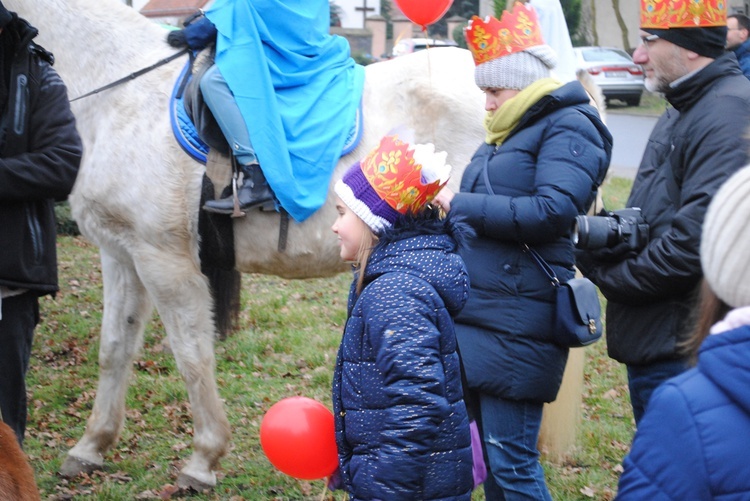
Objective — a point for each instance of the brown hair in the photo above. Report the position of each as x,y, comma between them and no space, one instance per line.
710,310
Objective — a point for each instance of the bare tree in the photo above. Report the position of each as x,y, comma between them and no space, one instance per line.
621,23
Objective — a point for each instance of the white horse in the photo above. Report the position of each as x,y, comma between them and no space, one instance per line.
137,197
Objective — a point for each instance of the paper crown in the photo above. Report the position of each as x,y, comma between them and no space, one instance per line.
405,177
516,31
666,14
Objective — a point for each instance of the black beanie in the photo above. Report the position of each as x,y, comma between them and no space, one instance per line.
5,16
708,42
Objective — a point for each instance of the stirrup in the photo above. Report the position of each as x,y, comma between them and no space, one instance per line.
236,212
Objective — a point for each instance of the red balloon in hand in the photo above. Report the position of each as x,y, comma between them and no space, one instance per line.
424,12
297,436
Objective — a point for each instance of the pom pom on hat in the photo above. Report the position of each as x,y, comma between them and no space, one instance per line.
393,179
725,243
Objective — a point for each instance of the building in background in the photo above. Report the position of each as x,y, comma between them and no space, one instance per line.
170,12
362,24
354,13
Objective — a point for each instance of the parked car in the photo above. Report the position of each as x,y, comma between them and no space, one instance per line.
614,71
409,45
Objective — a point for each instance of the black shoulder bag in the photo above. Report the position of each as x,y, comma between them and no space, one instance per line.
578,312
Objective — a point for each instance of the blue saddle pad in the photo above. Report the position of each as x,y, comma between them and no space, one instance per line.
187,135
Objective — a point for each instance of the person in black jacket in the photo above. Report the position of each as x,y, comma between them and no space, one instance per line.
694,147
40,151
544,156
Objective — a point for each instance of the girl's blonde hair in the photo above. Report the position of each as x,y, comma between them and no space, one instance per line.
368,242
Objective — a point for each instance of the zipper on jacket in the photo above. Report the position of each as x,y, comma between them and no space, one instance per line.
19,113
35,230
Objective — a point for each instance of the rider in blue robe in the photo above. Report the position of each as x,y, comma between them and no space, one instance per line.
281,79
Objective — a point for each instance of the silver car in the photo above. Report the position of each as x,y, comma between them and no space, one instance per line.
614,71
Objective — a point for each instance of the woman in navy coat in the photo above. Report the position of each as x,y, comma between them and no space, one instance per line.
544,156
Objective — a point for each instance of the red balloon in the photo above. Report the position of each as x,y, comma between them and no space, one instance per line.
424,12
297,435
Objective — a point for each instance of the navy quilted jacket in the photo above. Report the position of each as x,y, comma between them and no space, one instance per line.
401,425
692,442
544,175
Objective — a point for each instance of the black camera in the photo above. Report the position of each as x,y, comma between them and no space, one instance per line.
616,227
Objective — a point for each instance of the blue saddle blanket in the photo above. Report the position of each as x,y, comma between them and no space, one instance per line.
187,135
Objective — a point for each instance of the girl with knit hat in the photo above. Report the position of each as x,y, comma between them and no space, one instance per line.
692,441
402,428
545,154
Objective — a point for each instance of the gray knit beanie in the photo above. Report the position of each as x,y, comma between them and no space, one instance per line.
517,70
725,243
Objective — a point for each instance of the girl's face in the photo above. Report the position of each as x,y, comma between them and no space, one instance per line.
494,98
350,230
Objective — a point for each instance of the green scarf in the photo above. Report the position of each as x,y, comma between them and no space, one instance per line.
500,123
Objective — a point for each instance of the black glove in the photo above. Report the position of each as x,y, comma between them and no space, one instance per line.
584,262
619,252
177,39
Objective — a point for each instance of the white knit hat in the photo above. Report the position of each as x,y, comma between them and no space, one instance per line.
394,178
725,243
517,70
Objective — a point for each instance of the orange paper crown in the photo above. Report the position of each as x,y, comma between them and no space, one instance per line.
666,14
396,178
516,31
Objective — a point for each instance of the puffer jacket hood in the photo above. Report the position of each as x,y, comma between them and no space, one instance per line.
724,360
692,441
415,244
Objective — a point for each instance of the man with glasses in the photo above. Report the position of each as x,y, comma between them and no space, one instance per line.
738,30
696,144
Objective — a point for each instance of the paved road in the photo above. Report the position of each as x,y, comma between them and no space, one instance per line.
630,133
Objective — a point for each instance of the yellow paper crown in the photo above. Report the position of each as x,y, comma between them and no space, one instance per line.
516,31
397,179
666,14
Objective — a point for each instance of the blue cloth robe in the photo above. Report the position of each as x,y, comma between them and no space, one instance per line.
297,88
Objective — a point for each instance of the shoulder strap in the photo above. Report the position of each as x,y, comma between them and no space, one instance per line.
546,268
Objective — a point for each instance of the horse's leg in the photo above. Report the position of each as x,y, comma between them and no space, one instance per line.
127,308
182,297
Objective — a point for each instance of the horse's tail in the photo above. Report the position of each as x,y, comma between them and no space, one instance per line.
225,288
217,264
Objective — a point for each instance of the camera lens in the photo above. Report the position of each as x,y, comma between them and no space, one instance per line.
595,232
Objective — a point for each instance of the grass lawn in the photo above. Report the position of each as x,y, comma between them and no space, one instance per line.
286,345
651,105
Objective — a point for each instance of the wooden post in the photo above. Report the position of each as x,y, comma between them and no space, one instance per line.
561,418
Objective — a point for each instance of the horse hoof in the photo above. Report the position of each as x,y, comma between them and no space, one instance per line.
187,482
73,466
